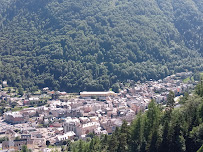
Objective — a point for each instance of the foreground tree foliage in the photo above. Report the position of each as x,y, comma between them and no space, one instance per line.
156,130
94,44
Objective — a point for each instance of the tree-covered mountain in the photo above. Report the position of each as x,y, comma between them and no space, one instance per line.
93,44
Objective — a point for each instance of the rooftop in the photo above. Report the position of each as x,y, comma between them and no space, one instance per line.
96,93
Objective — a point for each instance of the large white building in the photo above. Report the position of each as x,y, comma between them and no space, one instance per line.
100,95
75,125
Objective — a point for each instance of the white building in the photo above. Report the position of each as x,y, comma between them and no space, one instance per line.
100,95
71,124
69,135
86,128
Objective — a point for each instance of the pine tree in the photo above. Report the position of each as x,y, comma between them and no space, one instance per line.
123,138
91,146
80,147
170,101
177,141
199,88
104,142
152,124
113,143
165,140
137,133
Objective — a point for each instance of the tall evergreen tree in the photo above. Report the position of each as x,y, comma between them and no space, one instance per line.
113,143
80,146
170,100
137,133
123,138
152,123
199,88
104,142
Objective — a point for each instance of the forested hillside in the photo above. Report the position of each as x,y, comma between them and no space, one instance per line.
159,129
92,44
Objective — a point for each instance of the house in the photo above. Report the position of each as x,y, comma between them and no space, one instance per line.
58,112
56,125
29,112
39,142
71,124
17,144
46,89
25,136
33,100
10,134
42,109
62,93
4,84
107,125
26,102
36,134
99,131
87,128
77,112
84,120
69,135
58,131
15,117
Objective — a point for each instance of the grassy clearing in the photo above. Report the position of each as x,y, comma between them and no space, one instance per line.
188,79
19,108
7,88
38,92
201,74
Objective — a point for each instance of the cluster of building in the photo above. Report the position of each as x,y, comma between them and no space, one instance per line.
142,93
64,118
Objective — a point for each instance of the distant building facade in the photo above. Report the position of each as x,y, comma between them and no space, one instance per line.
99,95
15,117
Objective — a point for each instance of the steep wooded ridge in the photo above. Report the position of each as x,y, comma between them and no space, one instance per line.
92,44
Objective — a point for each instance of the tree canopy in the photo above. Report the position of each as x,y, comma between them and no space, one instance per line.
93,44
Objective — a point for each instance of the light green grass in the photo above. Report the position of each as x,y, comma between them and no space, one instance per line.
188,79
19,108
201,74
38,92
6,88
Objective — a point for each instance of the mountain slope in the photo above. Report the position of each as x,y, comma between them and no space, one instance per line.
92,44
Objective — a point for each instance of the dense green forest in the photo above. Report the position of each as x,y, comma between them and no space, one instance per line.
94,44
159,129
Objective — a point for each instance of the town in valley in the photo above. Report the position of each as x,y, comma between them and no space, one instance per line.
49,117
